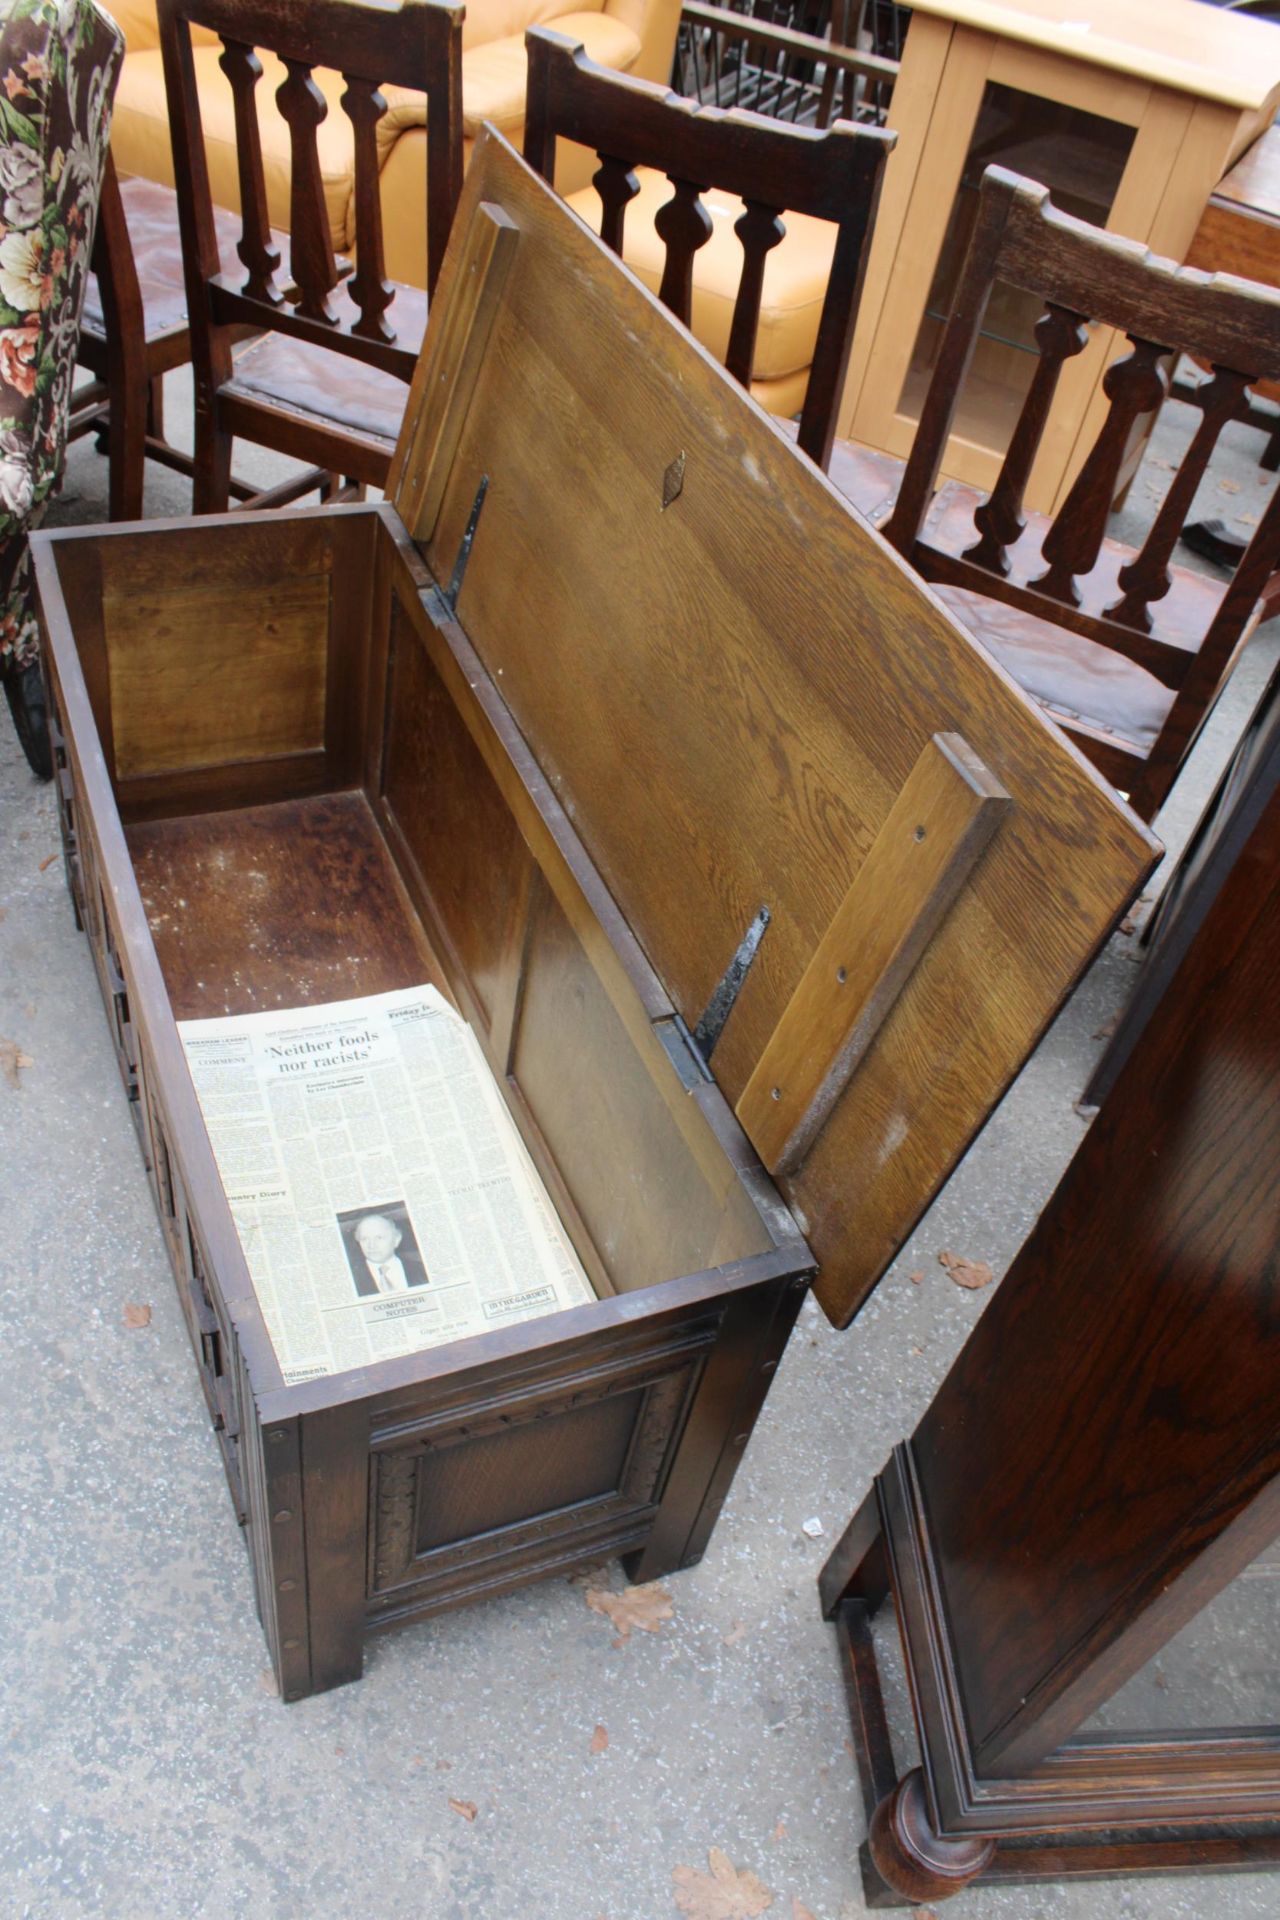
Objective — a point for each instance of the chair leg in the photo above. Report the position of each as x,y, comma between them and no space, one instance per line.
126,450
211,484
155,406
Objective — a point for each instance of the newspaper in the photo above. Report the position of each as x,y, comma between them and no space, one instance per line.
383,1196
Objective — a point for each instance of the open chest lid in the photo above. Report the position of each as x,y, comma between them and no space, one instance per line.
744,699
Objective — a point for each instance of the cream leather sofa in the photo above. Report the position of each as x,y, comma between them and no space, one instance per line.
636,36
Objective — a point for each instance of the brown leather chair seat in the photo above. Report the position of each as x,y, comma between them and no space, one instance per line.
1075,679
328,387
152,215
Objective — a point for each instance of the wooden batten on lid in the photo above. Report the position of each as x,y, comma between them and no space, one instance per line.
865,867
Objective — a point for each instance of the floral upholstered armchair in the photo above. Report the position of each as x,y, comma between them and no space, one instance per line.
59,62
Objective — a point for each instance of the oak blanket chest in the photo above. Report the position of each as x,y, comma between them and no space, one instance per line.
754,878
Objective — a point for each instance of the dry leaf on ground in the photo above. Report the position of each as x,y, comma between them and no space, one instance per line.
467,1808
1108,1027
738,1631
1228,486
966,1273
136,1314
724,1893
12,1060
47,862
799,1912
643,1607
599,1740
916,1277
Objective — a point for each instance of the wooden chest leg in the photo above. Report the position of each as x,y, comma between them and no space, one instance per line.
335,1503
737,1378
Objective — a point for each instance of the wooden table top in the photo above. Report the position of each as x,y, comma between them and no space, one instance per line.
1183,44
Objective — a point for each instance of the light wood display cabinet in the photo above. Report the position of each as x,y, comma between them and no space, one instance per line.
1130,111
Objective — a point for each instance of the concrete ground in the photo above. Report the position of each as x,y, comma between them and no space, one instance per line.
512,1758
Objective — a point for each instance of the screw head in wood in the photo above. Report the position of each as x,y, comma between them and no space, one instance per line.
285,1513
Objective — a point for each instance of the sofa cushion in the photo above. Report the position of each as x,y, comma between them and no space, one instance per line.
795,277
489,20
495,76
493,88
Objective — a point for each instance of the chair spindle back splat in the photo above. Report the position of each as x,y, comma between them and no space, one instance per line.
773,168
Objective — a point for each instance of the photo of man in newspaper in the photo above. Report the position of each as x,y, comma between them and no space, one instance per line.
381,1249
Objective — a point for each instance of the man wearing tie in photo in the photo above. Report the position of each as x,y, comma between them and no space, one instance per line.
385,1263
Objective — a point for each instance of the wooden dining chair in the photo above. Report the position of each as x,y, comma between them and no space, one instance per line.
134,331
1123,649
325,377
693,199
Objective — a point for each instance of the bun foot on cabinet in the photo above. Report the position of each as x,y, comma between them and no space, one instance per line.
912,1857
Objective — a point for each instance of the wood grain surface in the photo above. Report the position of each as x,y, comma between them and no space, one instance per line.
727,695
1128,1464
938,828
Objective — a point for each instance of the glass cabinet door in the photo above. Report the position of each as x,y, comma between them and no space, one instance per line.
1080,157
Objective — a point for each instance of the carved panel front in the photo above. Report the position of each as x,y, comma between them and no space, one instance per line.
568,1461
